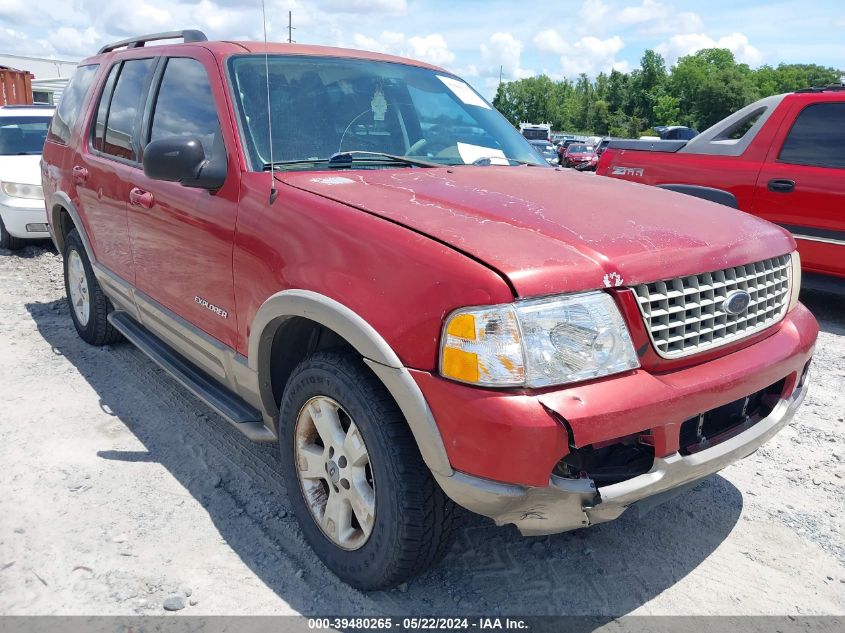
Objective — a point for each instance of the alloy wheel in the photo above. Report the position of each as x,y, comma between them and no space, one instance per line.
333,467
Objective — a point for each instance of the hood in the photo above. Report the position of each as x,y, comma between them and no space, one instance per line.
549,231
23,169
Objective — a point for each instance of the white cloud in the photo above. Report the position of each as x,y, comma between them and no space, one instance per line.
381,7
432,48
679,45
74,42
589,54
503,51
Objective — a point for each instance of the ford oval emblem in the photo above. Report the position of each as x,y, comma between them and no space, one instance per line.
736,302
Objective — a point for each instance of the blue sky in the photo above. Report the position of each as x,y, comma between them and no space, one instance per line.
473,38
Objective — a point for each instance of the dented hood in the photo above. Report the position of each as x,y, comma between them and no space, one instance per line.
551,231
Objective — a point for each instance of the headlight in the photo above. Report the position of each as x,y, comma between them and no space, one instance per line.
537,343
18,190
795,280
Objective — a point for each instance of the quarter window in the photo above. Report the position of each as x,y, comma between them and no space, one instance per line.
817,137
71,104
124,108
185,106
103,108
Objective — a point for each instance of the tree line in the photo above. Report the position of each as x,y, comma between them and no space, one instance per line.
699,90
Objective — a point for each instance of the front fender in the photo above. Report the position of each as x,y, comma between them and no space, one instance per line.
375,351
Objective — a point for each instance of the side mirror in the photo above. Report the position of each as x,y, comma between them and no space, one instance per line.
182,159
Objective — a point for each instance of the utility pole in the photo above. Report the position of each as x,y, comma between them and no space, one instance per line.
501,69
291,28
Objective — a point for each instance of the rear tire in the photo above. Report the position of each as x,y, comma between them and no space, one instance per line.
413,524
9,242
89,306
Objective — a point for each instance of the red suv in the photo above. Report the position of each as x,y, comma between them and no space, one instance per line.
355,256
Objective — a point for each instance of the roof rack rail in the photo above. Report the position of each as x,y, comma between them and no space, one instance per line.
187,36
831,87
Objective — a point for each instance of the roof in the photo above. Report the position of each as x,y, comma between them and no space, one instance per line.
26,110
227,48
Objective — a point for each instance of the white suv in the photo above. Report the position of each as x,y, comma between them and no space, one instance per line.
22,213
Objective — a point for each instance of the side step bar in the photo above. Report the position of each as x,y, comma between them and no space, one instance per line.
243,416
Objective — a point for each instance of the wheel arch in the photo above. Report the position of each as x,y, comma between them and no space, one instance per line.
61,211
280,308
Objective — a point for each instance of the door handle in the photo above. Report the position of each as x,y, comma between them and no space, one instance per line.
781,185
80,174
141,198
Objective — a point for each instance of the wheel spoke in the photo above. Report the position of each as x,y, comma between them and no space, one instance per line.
353,447
327,422
311,463
363,501
337,518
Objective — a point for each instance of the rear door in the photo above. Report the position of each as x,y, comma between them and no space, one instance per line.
102,165
182,238
802,184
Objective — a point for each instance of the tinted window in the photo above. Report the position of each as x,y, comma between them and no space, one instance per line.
71,103
185,107
817,137
126,103
103,108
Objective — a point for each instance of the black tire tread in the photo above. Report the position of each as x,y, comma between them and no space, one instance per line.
10,242
99,330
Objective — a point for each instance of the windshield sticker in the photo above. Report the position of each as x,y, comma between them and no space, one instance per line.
471,153
463,92
332,180
378,105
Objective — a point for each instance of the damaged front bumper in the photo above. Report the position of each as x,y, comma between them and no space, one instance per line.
568,504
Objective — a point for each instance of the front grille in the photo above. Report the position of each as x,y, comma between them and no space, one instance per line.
686,315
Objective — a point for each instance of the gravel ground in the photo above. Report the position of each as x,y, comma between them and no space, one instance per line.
120,493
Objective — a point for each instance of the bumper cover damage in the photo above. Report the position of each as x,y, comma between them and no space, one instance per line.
567,504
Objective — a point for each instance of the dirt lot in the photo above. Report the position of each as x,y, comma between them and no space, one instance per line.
118,489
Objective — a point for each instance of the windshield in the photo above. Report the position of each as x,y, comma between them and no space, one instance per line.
22,134
578,149
324,105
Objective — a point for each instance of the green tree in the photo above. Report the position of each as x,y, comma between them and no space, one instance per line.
667,111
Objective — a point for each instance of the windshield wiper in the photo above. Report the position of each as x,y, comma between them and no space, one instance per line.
286,163
345,158
490,160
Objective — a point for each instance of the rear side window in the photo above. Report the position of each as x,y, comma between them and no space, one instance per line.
817,137
185,106
103,109
71,103
124,108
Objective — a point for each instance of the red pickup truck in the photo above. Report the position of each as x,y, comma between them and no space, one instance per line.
781,158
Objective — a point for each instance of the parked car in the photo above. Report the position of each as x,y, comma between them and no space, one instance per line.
576,154
602,145
22,214
546,150
415,323
675,132
781,158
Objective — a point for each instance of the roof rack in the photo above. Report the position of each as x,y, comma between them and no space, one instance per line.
187,36
831,87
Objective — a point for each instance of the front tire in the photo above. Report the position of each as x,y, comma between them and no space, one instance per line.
365,500
8,241
89,306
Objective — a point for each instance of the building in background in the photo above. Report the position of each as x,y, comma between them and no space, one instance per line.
48,77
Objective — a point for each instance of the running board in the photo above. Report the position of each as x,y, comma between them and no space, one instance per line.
244,417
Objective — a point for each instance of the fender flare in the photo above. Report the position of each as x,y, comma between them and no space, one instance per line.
375,351
719,196
61,200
